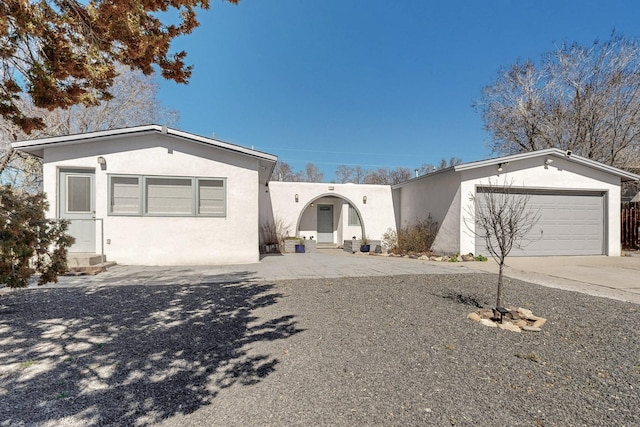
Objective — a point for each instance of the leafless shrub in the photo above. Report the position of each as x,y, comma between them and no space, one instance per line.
416,237
273,232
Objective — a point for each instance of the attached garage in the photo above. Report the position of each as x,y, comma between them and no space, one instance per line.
577,199
569,223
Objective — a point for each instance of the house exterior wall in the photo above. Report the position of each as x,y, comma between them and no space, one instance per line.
151,240
437,195
377,213
562,174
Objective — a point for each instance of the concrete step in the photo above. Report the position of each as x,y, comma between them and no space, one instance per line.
82,259
327,245
86,263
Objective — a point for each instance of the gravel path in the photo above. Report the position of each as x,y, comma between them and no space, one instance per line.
343,352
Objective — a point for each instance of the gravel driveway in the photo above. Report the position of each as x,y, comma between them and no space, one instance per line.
341,352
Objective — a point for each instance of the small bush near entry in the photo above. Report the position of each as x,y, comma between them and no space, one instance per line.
417,237
390,240
28,241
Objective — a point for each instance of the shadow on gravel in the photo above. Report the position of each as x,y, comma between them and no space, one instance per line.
131,355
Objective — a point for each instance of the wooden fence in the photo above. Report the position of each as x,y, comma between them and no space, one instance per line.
630,226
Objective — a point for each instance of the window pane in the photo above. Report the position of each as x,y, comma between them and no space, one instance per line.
169,196
211,197
354,219
125,195
78,194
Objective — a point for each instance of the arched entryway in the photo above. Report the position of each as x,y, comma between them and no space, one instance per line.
330,219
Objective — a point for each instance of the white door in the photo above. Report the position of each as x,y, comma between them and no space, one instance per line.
325,223
77,204
571,223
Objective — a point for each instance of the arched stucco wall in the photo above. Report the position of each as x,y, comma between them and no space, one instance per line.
376,214
309,213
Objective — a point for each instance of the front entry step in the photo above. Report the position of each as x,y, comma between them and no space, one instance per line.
87,263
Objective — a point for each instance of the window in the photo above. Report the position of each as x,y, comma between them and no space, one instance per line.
125,195
78,193
167,196
354,219
211,197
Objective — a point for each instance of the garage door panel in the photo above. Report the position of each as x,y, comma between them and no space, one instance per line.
570,223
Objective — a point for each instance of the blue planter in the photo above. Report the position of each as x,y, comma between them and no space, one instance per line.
299,249
365,248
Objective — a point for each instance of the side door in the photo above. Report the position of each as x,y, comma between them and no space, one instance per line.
76,202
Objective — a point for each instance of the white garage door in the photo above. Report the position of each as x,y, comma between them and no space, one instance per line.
571,223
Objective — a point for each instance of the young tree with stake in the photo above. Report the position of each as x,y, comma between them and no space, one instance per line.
503,220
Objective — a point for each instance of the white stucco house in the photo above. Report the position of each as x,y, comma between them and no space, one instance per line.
150,195
155,196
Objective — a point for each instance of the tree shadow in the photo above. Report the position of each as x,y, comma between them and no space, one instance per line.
131,355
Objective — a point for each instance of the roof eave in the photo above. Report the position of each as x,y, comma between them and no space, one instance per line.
624,175
37,146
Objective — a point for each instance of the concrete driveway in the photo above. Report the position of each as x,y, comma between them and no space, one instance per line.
611,277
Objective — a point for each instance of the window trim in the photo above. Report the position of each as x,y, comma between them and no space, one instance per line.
142,194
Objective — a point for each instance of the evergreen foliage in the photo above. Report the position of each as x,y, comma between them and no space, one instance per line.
29,242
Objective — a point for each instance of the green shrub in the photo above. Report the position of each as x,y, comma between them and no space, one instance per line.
28,241
480,258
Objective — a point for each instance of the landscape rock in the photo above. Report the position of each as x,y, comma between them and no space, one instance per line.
509,327
487,322
524,313
514,320
539,323
521,323
474,316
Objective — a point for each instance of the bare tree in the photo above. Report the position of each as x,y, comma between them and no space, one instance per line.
135,102
344,174
283,172
503,219
384,176
312,173
426,168
580,98
354,174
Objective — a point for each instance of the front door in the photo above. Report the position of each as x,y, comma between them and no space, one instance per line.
325,223
77,204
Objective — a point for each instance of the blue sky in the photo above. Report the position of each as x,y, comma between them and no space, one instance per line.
375,83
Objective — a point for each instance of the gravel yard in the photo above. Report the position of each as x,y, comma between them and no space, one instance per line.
341,352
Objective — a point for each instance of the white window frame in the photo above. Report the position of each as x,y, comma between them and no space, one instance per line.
142,188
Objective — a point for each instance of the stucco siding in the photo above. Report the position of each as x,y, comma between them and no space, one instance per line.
438,195
150,240
299,218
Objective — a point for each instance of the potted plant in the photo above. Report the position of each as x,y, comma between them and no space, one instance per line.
300,246
364,244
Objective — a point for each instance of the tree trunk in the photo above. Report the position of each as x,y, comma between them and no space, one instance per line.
499,293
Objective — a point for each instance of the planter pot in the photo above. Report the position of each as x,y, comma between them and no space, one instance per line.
365,248
299,249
